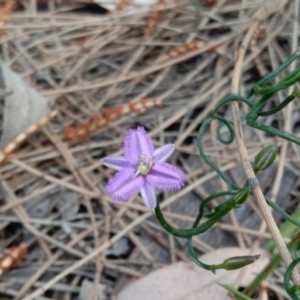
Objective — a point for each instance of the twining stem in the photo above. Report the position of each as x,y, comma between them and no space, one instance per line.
252,180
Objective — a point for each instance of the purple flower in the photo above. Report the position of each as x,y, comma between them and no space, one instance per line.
142,169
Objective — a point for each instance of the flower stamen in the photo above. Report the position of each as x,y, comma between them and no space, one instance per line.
145,164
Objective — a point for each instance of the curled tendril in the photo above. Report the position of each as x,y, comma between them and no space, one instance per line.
236,195
229,99
229,126
202,129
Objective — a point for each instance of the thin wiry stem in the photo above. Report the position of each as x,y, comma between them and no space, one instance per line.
257,192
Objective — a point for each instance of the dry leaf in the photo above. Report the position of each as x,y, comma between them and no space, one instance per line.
119,248
23,106
187,281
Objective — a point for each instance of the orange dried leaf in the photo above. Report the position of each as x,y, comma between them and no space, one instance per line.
12,258
122,4
5,12
80,132
186,48
153,20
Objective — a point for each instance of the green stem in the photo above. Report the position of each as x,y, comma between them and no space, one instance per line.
228,99
277,132
292,291
277,108
283,213
206,201
284,84
273,74
194,257
192,253
205,157
189,232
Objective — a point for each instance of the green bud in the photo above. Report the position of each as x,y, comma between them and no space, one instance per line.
265,157
241,196
265,90
257,89
296,93
235,262
217,208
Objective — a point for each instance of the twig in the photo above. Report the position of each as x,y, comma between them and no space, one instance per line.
252,180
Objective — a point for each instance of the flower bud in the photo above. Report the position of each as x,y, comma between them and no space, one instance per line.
235,262
241,196
296,93
265,157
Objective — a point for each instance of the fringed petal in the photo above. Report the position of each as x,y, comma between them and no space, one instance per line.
149,196
165,177
136,143
116,162
163,153
124,185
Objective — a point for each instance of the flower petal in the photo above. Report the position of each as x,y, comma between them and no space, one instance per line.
149,196
124,185
115,162
136,143
163,153
165,177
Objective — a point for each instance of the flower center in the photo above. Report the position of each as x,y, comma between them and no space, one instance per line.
145,164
